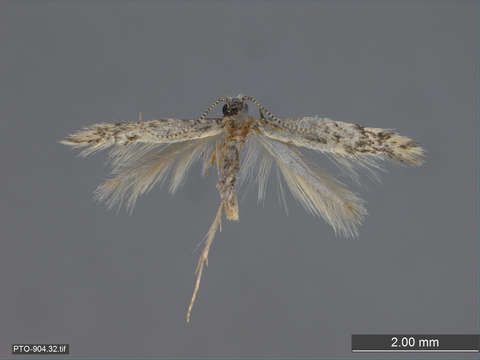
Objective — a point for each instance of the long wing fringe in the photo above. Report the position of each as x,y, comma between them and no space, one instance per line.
137,168
319,193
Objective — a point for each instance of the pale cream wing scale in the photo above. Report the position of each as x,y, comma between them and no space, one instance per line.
144,153
163,131
345,142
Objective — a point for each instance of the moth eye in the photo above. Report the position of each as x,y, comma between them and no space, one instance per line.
225,108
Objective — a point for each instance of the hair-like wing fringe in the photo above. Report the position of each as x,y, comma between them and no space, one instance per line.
255,167
319,193
137,168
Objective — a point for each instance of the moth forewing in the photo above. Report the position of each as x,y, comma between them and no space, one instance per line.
347,142
164,131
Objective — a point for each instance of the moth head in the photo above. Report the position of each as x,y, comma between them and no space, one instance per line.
234,106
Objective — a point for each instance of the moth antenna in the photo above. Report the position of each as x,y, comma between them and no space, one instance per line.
261,108
211,107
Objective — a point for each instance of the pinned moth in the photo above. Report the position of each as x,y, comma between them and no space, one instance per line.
239,145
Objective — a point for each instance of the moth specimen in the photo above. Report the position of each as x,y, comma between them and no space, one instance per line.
241,145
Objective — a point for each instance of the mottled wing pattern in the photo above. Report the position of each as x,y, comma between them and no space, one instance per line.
342,140
145,153
164,131
350,145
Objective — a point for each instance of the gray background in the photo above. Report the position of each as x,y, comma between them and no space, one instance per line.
113,284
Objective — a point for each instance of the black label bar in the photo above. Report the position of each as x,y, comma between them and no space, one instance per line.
415,343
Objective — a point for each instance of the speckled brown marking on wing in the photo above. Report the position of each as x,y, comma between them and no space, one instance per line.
342,139
100,136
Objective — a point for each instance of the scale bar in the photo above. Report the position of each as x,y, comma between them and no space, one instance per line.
408,343
449,351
